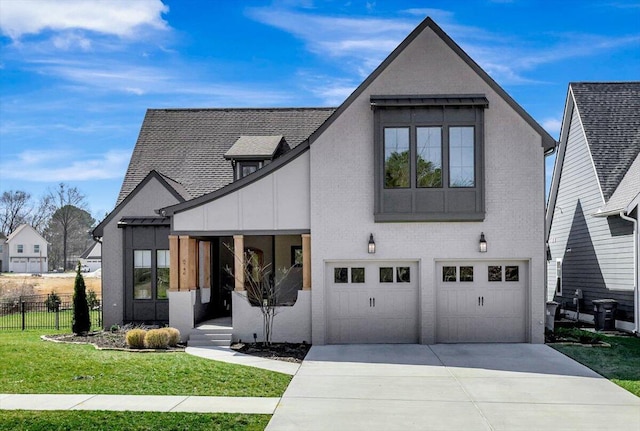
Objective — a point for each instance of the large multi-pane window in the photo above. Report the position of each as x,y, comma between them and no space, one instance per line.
162,273
142,274
429,161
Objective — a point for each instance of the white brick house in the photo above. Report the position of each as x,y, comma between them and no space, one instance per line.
417,209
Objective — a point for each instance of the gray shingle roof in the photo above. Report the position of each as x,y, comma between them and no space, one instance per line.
188,145
610,116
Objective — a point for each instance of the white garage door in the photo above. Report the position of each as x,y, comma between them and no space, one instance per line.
18,265
481,302
372,302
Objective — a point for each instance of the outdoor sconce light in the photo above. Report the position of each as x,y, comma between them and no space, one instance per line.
483,243
372,244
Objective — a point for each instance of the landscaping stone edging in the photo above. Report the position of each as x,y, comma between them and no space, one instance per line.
119,349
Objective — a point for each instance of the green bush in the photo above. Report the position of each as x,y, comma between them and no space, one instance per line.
92,299
174,336
52,302
156,339
135,338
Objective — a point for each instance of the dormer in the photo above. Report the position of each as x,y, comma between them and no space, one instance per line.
250,153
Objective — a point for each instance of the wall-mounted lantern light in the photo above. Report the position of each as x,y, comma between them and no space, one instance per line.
372,244
483,243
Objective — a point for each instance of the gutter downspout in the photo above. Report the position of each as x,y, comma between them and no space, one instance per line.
636,294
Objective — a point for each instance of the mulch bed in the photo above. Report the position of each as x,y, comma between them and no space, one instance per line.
107,340
288,352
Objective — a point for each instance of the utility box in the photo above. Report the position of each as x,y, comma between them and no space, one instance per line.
604,314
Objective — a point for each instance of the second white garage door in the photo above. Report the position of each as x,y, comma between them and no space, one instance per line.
481,302
372,302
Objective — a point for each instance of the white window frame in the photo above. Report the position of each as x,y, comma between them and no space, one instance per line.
19,248
36,248
558,288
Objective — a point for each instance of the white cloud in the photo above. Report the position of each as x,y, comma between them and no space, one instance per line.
362,43
552,125
56,165
122,18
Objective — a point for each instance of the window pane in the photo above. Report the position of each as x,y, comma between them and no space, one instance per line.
340,275
36,248
248,169
403,274
142,274
357,275
449,273
386,275
511,273
461,157
429,157
495,273
162,273
396,158
466,273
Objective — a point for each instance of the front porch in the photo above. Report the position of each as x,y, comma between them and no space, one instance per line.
215,277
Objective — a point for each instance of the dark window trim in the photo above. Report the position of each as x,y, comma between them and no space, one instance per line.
418,195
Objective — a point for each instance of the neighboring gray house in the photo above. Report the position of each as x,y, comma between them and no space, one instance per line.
592,214
413,213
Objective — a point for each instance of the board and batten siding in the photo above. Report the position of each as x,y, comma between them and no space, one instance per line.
597,252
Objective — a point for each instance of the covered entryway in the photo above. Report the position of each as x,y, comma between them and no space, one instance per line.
372,302
481,301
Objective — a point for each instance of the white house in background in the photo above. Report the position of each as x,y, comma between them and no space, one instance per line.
4,253
92,256
412,213
27,251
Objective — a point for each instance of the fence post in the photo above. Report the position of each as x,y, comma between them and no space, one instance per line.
57,315
22,311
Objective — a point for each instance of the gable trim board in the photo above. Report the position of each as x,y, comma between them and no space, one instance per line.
99,230
334,163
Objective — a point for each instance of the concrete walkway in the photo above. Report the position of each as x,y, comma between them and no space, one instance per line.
225,354
450,387
139,403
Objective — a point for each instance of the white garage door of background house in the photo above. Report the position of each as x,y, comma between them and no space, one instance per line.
372,302
481,302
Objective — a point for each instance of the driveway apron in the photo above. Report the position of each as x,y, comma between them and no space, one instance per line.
450,387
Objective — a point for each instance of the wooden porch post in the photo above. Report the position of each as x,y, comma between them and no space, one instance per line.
188,263
306,261
174,263
206,261
238,266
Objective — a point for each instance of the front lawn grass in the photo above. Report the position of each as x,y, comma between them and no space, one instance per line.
101,420
619,363
30,365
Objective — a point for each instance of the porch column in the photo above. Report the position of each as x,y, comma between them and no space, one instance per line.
174,263
306,261
238,266
188,263
206,262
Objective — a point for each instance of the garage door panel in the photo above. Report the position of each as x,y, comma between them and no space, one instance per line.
373,310
488,306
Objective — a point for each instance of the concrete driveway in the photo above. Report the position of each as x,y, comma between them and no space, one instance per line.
450,387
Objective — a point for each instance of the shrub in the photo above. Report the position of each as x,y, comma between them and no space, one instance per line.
81,318
156,339
92,299
174,336
53,301
135,338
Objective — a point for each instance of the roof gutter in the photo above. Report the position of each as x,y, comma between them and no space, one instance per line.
636,294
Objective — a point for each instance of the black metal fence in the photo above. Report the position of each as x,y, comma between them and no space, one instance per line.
53,311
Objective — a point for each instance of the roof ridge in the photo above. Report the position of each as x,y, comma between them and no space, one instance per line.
299,108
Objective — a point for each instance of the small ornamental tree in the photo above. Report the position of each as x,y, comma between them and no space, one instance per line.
81,319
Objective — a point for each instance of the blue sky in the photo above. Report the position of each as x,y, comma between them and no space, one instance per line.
76,76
